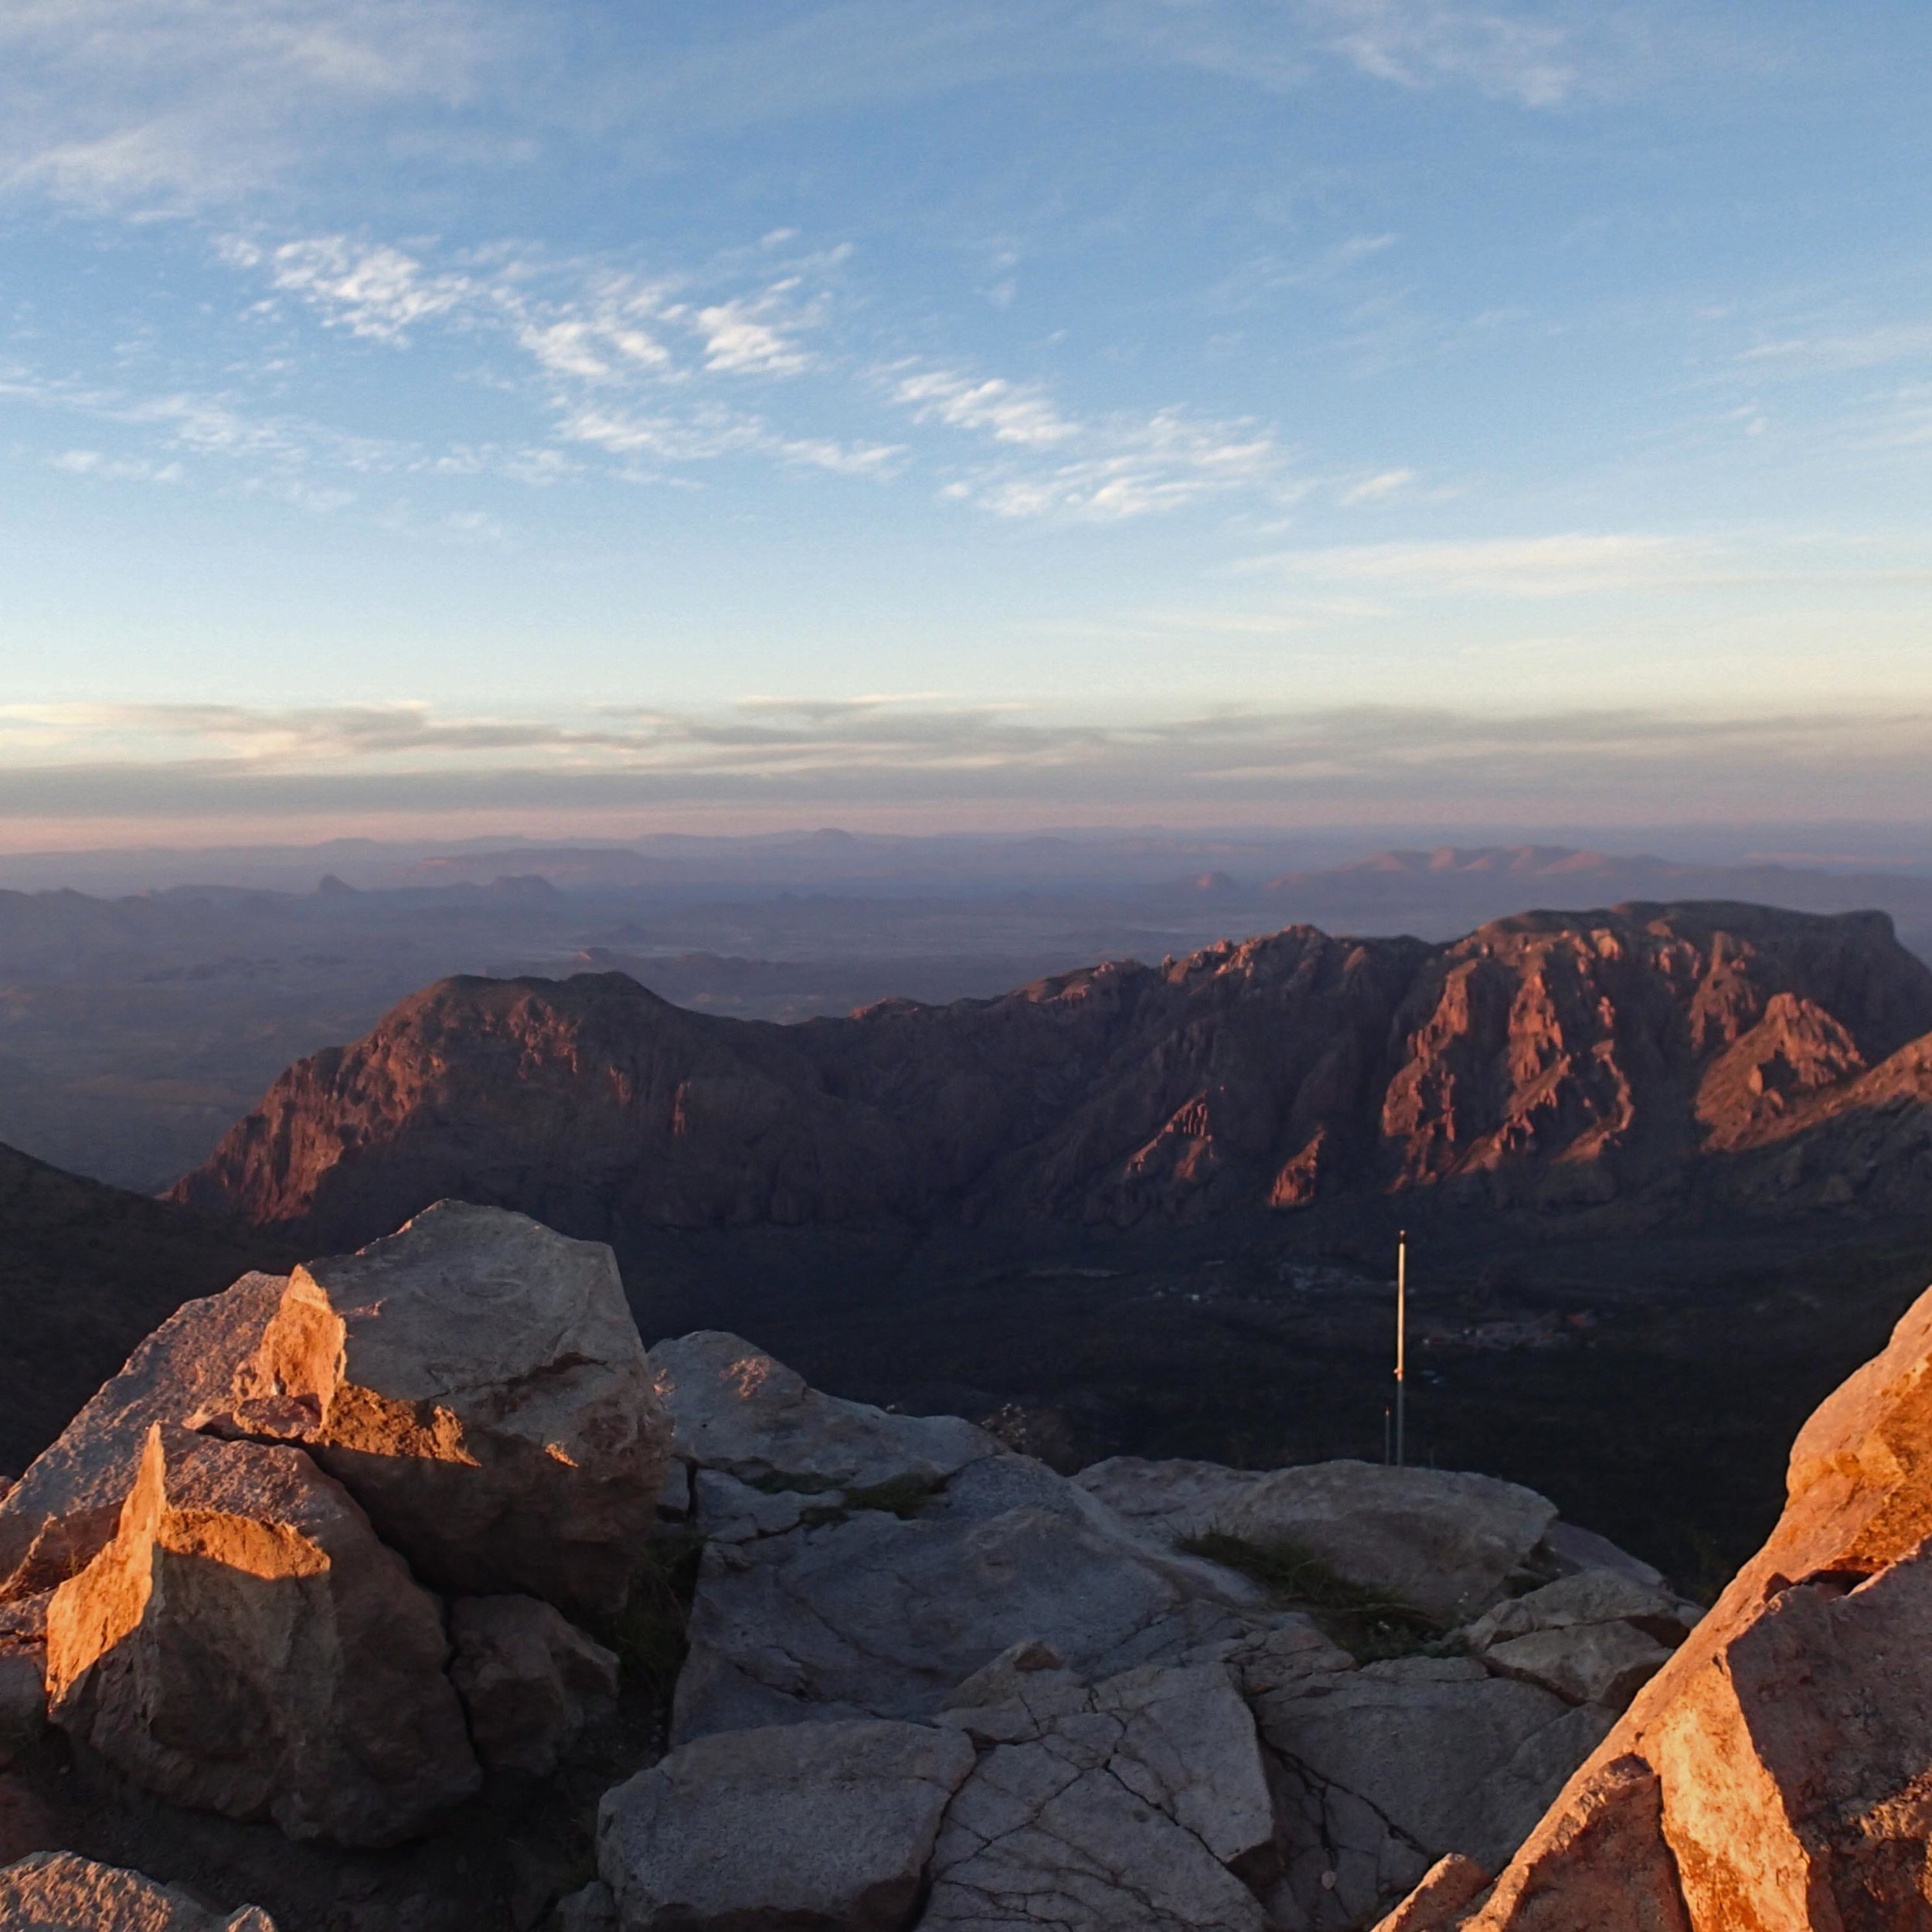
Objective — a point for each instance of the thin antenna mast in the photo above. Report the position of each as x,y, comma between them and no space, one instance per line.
1402,1347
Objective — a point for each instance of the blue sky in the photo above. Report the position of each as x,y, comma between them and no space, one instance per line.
416,414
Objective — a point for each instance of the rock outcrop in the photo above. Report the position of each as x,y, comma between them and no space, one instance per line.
1448,1542
929,1681
1772,1775
1161,1742
56,1892
478,1383
1546,1061
245,1644
215,1578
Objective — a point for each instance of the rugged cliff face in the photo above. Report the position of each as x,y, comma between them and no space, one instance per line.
1762,1059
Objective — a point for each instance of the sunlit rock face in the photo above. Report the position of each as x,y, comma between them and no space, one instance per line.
1549,1061
477,1381
1773,1774
56,1892
65,1508
245,1644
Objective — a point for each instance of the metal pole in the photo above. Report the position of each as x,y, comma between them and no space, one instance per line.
1402,1347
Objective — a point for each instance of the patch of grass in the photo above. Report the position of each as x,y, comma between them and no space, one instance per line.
1368,1623
902,1496
652,1632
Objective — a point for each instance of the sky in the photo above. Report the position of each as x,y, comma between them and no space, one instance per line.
487,418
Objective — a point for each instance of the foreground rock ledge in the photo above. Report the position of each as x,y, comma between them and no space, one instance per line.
1776,1775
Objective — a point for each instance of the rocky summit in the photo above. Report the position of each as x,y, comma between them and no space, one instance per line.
897,1677
1768,1061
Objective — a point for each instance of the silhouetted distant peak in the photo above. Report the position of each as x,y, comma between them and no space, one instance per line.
330,886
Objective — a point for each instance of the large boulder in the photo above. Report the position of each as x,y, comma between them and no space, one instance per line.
1138,1805
734,1409
530,1682
826,1826
1448,1542
1773,1774
877,1614
246,1645
56,1892
66,1505
477,1381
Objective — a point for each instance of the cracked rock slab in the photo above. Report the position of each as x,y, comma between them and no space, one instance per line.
881,1616
826,1826
1453,1759
1341,1859
1135,1804
1601,1664
1589,1597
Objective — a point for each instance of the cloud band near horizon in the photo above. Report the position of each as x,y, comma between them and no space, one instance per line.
65,769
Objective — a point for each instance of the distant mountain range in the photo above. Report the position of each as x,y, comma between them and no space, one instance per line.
1480,880
134,1030
1645,1060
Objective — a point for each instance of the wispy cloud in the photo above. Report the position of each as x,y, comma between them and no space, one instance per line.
1571,564
185,103
1007,412
1050,464
116,469
177,103
1378,487
370,289
1421,43
1871,347
651,370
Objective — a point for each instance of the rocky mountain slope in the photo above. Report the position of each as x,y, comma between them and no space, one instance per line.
1643,1056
